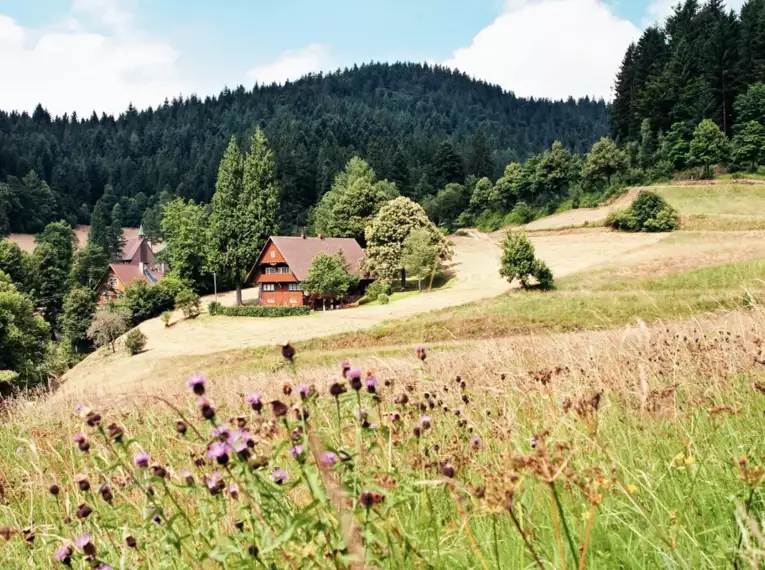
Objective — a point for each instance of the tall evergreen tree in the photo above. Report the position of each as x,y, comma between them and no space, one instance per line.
244,209
115,237
480,162
447,166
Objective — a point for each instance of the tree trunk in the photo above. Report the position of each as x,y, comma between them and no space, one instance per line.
238,294
403,278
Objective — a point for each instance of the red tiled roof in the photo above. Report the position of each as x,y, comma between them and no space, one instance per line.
299,252
129,273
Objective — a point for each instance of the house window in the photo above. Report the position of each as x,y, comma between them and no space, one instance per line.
268,287
295,287
281,269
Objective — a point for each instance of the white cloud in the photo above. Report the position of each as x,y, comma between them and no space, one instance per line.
550,48
293,64
70,67
658,10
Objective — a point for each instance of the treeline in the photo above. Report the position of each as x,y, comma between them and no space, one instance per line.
692,68
394,115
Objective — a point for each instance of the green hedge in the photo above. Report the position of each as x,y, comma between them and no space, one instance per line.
258,311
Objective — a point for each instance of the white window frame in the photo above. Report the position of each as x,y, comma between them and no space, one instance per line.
268,287
295,287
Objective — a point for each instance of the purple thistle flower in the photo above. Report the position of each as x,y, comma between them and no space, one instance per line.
187,477
233,491
78,437
329,458
303,390
205,406
103,567
64,554
395,417
215,483
425,422
421,352
371,384
345,366
197,384
219,451
279,476
475,442
78,409
255,400
354,378
84,543
296,451
222,433
141,460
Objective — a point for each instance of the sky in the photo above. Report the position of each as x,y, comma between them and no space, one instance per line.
86,55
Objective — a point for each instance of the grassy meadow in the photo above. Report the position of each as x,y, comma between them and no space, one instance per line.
613,422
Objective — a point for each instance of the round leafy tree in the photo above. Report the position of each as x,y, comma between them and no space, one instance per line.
519,262
648,213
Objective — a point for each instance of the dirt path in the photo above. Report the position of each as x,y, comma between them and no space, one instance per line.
475,264
582,216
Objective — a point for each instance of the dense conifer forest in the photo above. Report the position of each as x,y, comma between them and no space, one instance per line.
418,126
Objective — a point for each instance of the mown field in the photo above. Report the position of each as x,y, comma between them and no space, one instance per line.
614,422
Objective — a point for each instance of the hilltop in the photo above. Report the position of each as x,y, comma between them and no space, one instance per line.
394,115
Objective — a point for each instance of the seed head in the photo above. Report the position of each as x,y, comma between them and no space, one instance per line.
131,541
53,489
81,441
279,409
106,493
337,388
288,351
115,432
93,419
158,471
82,482
83,511
206,408
180,427
287,389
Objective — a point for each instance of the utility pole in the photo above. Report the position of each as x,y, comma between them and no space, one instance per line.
215,285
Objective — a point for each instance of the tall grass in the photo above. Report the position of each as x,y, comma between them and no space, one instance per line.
599,450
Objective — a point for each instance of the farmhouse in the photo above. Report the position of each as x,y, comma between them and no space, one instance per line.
136,262
284,263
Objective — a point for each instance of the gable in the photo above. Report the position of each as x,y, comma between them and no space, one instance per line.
271,254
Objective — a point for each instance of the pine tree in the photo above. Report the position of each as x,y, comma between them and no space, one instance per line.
480,163
115,238
98,235
447,166
244,209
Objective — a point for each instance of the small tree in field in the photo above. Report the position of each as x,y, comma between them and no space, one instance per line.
135,341
519,262
329,278
188,302
106,328
421,255
709,146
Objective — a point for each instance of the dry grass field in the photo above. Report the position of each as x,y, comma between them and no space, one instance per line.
614,422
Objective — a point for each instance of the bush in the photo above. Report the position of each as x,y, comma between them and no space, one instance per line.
522,213
519,262
258,311
166,317
188,301
378,288
383,299
648,213
135,341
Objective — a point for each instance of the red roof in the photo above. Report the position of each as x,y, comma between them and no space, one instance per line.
300,251
129,273
130,248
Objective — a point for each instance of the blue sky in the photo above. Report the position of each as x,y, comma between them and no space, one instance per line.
102,54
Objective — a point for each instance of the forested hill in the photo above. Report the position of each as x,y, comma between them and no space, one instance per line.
692,68
394,115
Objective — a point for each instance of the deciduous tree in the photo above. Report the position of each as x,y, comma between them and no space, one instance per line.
329,278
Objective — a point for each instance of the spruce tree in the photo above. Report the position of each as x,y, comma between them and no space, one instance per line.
480,163
447,166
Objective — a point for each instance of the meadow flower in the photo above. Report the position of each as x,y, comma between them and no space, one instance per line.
205,406
53,489
371,384
131,541
337,388
141,460
475,442
187,477
219,451
84,543
81,441
447,470
83,511
158,471
279,409
82,482
394,417
369,498
106,493
402,399
288,351
78,409
221,432
287,389
345,366
420,352
103,567
303,390
115,432
64,554
255,401
354,377
329,458
425,422
196,384
253,551
233,491
180,427
279,476
296,452
93,419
